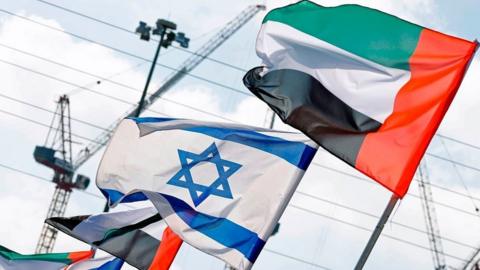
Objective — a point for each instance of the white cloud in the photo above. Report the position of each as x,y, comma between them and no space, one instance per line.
309,237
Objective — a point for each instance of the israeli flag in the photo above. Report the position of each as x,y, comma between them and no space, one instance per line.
221,187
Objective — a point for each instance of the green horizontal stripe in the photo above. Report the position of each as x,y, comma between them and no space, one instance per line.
368,33
50,257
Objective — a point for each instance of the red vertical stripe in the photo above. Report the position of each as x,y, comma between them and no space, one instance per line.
167,251
391,155
80,255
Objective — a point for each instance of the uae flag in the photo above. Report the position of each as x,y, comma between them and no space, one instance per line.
11,260
368,87
138,236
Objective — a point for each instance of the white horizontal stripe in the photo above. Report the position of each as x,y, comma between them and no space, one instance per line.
183,123
366,86
261,187
155,230
199,240
90,264
94,227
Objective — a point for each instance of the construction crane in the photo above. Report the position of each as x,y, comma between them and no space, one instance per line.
187,66
433,230
60,201
56,153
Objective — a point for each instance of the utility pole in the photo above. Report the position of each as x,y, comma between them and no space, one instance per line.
102,139
56,154
163,28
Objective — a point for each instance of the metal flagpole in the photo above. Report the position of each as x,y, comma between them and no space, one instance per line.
376,233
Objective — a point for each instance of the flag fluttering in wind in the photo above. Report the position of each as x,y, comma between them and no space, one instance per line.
369,87
11,260
221,187
135,236
105,263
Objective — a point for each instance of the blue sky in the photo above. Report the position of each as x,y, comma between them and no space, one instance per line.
303,235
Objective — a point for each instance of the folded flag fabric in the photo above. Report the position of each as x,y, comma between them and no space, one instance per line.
105,263
221,187
368,87
11,260
135,236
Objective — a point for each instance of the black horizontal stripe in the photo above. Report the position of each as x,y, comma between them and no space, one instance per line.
136,247
120,231
129,243
304,103
65,225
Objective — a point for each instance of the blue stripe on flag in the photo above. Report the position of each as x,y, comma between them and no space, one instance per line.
296,153
219,229
113,196
115,264
151,119
293,152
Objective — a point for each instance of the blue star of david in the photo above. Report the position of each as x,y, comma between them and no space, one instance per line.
220,187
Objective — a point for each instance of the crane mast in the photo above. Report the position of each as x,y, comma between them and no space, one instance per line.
64,168
187,66
56,154
433,230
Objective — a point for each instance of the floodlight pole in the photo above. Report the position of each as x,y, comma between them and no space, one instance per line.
376,233
161,29
152,68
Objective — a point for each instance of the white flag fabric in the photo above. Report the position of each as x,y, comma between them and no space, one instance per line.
105,263
221,187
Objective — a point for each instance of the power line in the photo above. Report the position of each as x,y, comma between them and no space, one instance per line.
52,112
68,66
44,125
369,230
458,141
181,104
459,176
352,176
299,192
129,206
314,163
133,32
188,106
191,52
296,259
363,179
454,162
128,53
65,82
186,73
442,136
45,179
376,217
109,96
373,183
291,205
106,79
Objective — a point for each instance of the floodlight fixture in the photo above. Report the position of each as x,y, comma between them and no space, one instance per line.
143,30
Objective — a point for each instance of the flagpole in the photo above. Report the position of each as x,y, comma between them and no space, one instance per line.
376,233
